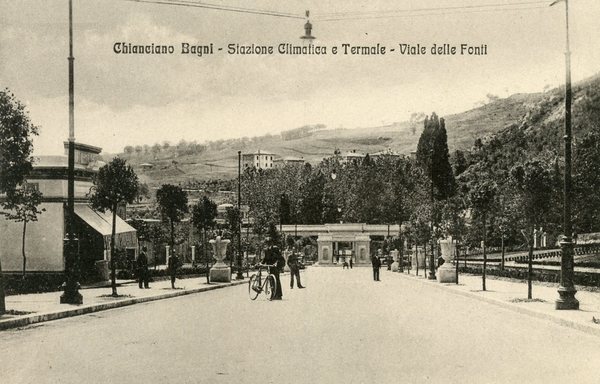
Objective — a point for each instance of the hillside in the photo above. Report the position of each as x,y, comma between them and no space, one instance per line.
215,160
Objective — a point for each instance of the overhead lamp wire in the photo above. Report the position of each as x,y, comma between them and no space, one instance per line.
431,14
361,13
191,4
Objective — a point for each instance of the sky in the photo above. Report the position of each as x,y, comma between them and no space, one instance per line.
145,99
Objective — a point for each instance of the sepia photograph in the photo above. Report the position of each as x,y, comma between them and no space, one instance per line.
258,191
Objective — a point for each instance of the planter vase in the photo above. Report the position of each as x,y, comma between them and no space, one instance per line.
220,272
447,273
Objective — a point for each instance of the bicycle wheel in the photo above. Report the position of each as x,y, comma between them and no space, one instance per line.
253,287
270,287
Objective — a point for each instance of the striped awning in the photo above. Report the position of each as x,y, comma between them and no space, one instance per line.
101,222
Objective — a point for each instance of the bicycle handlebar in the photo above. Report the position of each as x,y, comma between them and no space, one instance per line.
266,265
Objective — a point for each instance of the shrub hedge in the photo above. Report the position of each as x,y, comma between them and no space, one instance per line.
14,283
580,278
183,271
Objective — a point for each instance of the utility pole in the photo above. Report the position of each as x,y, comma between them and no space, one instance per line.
71,293
240,275
567,290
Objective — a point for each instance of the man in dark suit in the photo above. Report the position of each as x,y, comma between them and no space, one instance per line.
173,264
376,265
294,270
142,269
273,257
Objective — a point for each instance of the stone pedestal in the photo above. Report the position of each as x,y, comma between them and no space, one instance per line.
325,249
362,246
220,272
447,272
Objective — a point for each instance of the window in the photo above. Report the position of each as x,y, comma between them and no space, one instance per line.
31,186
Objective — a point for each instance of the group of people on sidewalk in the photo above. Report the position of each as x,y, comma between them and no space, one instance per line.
143,274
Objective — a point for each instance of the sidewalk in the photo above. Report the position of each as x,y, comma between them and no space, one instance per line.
512,295
34,308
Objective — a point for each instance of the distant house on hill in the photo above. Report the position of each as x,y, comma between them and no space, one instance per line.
44,241
282,162
222,214
351,156
259,159
385,152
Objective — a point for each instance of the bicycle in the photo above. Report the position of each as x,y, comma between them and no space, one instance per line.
258,284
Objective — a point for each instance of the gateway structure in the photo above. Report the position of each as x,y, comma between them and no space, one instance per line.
339,242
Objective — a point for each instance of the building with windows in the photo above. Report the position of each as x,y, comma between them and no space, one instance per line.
44,237
351,157
259,159
221,219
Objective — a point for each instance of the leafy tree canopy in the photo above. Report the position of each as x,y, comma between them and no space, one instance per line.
172,202
16,147
115,183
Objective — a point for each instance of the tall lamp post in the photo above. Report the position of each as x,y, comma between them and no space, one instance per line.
567,290
71,293
240,275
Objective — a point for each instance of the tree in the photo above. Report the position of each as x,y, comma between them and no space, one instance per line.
116,183
16,147
459,163
432,156
143,191
154,233
172,203
532,183
482,196
443,176
586,183
128,150
203,216
156,148
23,208
453,221
285,209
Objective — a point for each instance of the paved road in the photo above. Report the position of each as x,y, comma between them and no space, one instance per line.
344,328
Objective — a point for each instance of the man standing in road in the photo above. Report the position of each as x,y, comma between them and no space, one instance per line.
376,265
294,270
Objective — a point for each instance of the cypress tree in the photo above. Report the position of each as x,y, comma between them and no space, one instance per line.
433,156
443,177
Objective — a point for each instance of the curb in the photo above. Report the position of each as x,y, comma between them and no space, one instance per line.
91,308
589,329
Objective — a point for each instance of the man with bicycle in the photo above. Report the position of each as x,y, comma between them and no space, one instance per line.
273,257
